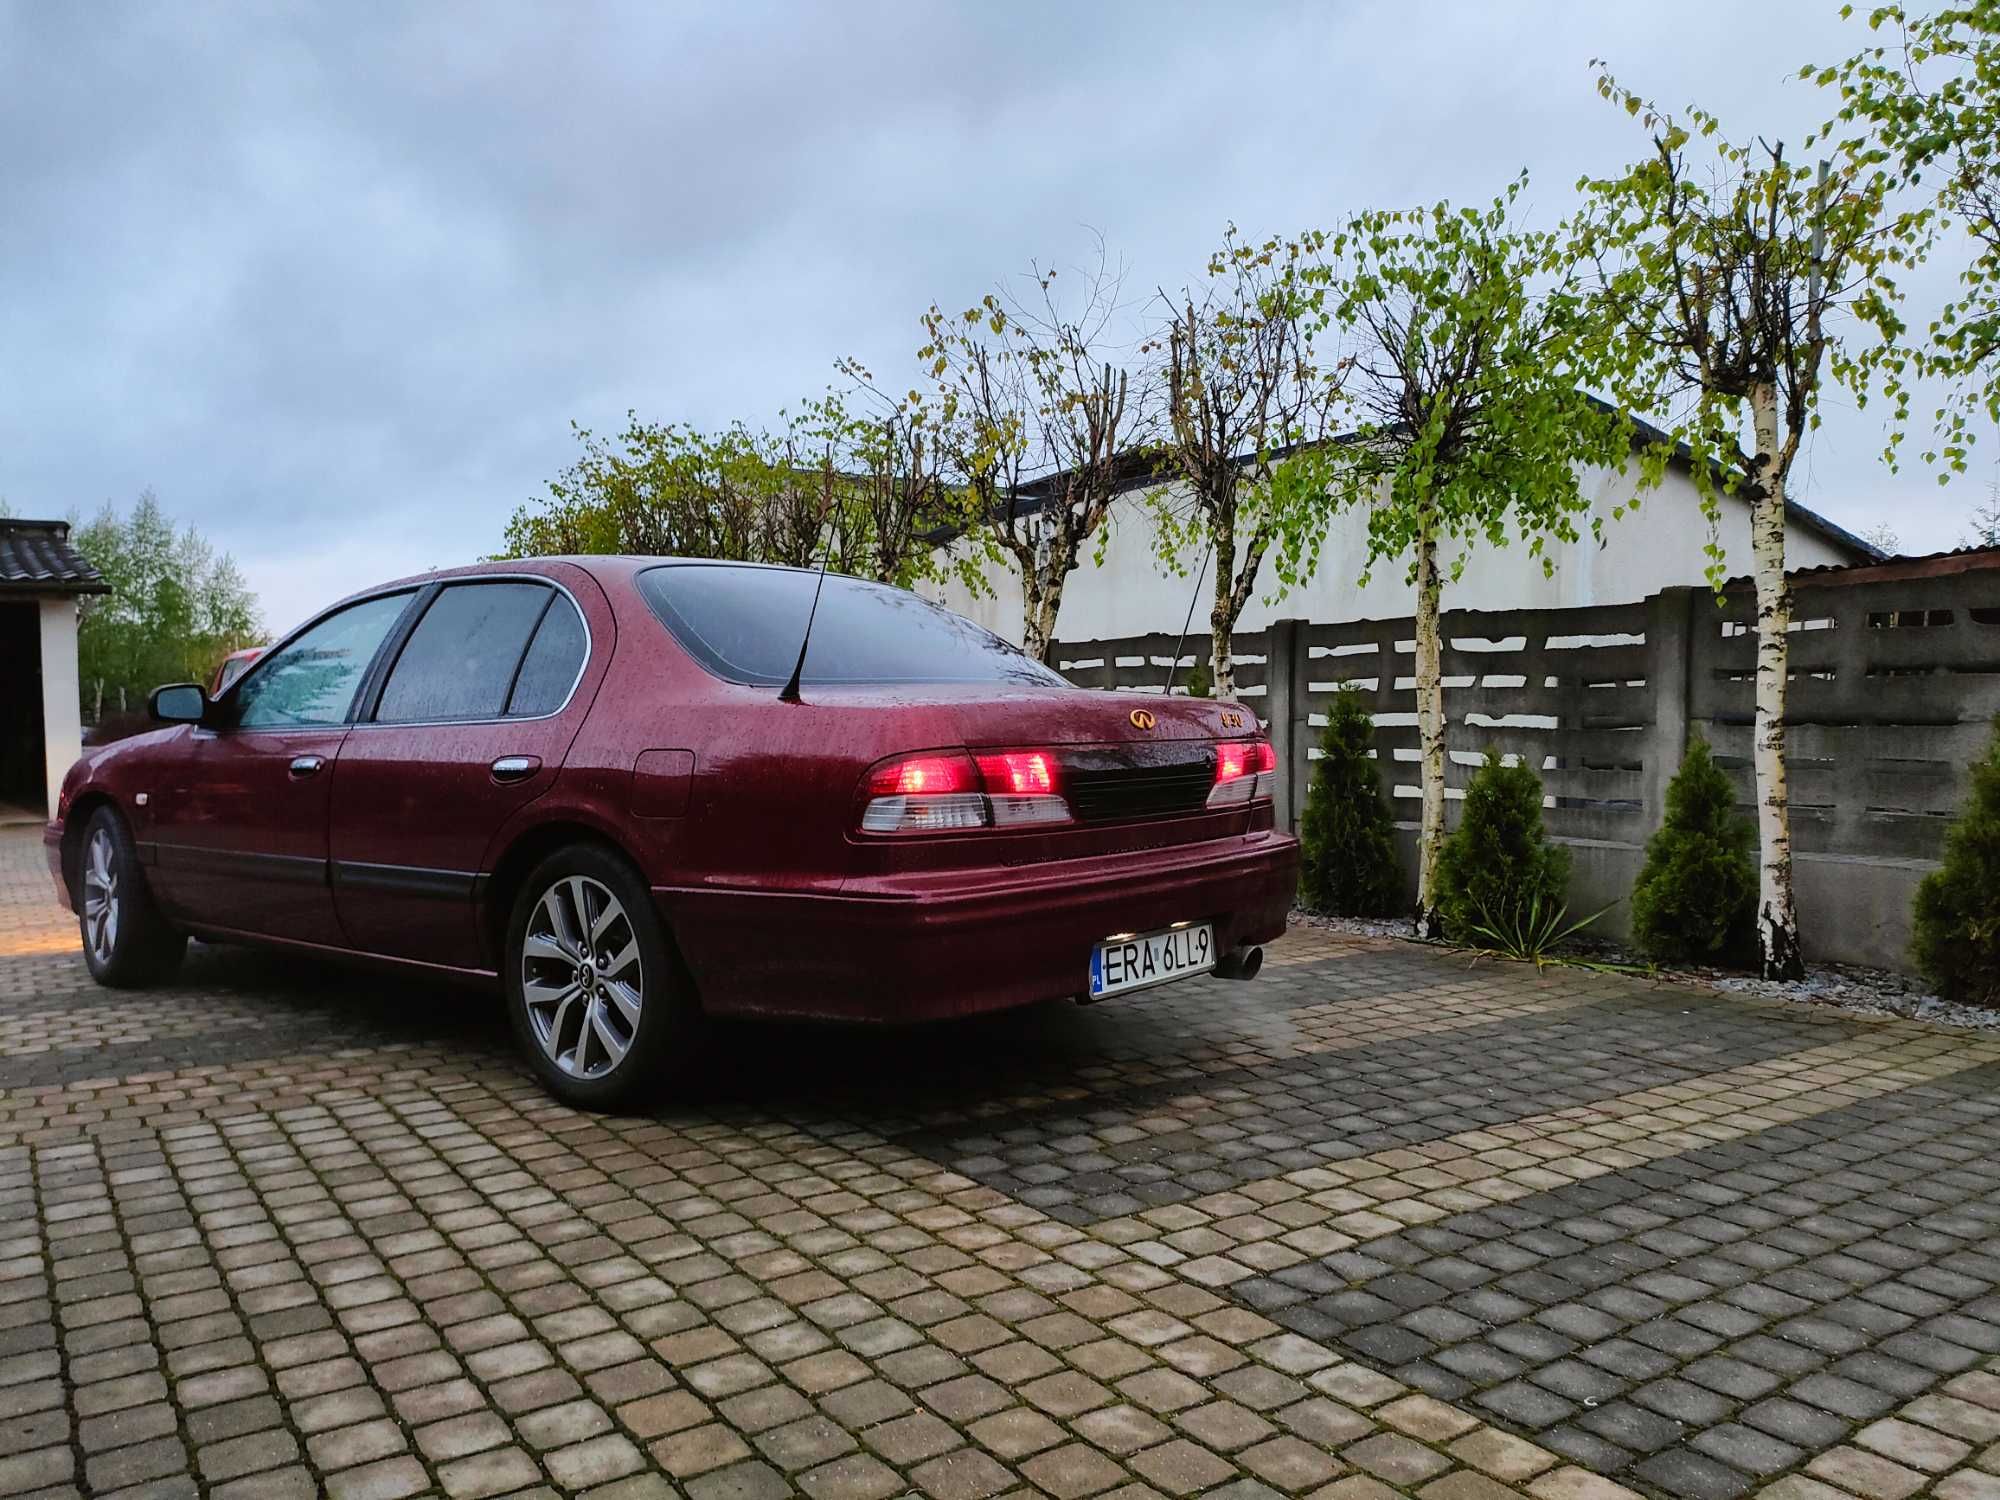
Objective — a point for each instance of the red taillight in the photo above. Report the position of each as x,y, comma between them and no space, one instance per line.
953,792
1022,773
1245,770
922,775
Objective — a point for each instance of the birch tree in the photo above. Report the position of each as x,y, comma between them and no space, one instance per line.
1037,418
1926,101
1461,333
1725,295
1242,384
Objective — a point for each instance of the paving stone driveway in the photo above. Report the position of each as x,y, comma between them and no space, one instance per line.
1379,1222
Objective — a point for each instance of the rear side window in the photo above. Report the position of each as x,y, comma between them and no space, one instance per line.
744,624
460,661
552,665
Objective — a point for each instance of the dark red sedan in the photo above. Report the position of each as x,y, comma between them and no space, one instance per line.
588,779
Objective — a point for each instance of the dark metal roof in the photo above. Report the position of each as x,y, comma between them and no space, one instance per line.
36,558
1886,569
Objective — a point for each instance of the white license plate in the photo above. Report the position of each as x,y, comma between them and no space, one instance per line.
1132,963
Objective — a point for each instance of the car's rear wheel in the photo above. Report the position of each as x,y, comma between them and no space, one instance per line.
598,1000
126,942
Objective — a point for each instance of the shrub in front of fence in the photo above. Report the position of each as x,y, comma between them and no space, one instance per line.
1696,897
1956,921
1497,867
1346,836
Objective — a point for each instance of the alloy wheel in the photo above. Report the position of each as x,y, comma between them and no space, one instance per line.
101,901
581,977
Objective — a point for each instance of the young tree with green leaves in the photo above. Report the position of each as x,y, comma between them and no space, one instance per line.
1027,391
175,609
852,477
1241,384
1726,298
1926,101
896,498
657,489
1462,330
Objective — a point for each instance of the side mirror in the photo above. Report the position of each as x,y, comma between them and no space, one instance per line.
178,703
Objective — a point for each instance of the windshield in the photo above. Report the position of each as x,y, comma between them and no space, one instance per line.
744,625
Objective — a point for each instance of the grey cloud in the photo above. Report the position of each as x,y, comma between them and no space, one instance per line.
336,279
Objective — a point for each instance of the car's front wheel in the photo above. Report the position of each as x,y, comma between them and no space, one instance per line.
598,1000
126,942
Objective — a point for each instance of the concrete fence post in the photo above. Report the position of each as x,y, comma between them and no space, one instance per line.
1669,649
1287,711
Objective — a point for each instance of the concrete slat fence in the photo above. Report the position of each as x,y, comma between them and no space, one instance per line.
1895,681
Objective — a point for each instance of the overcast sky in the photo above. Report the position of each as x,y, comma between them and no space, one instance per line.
335,280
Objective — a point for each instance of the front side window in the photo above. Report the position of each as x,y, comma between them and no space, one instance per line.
312,679
744,624
461,660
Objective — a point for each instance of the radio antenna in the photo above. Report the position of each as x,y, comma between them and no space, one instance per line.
1172,666
789,693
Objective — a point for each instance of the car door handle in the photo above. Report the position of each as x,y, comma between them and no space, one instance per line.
516,767
306,765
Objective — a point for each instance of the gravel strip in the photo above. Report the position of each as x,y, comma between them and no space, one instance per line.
1849,987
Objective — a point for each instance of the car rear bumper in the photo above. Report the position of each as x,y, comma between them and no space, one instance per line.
927,947
52,841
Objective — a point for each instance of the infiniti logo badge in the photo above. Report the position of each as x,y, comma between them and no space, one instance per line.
1142,718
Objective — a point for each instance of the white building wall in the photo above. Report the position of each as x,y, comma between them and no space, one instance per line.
62,715
1659,544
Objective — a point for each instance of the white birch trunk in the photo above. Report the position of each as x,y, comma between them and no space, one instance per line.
1430,732
1041,598
1777,916
1222,663
1222,617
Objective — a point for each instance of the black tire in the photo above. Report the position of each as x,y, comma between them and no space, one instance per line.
127,944
569,1029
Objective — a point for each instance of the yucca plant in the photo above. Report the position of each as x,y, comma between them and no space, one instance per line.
1533,933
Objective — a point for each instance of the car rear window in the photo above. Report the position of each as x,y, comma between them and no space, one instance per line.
744,625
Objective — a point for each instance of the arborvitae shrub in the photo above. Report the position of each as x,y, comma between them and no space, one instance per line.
1347,838
1497,864
1957,917
1198,681
1696,898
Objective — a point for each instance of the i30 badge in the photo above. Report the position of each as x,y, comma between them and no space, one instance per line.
1142,718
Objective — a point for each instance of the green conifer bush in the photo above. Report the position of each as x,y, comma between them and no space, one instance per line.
1956,942
1347,838
1696,897
1497,871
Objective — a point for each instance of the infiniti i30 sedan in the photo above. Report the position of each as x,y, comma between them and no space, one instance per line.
591,781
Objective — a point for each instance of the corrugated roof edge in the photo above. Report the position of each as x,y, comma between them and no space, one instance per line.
1885,569
36,558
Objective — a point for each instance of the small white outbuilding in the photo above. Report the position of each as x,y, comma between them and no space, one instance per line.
42,577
